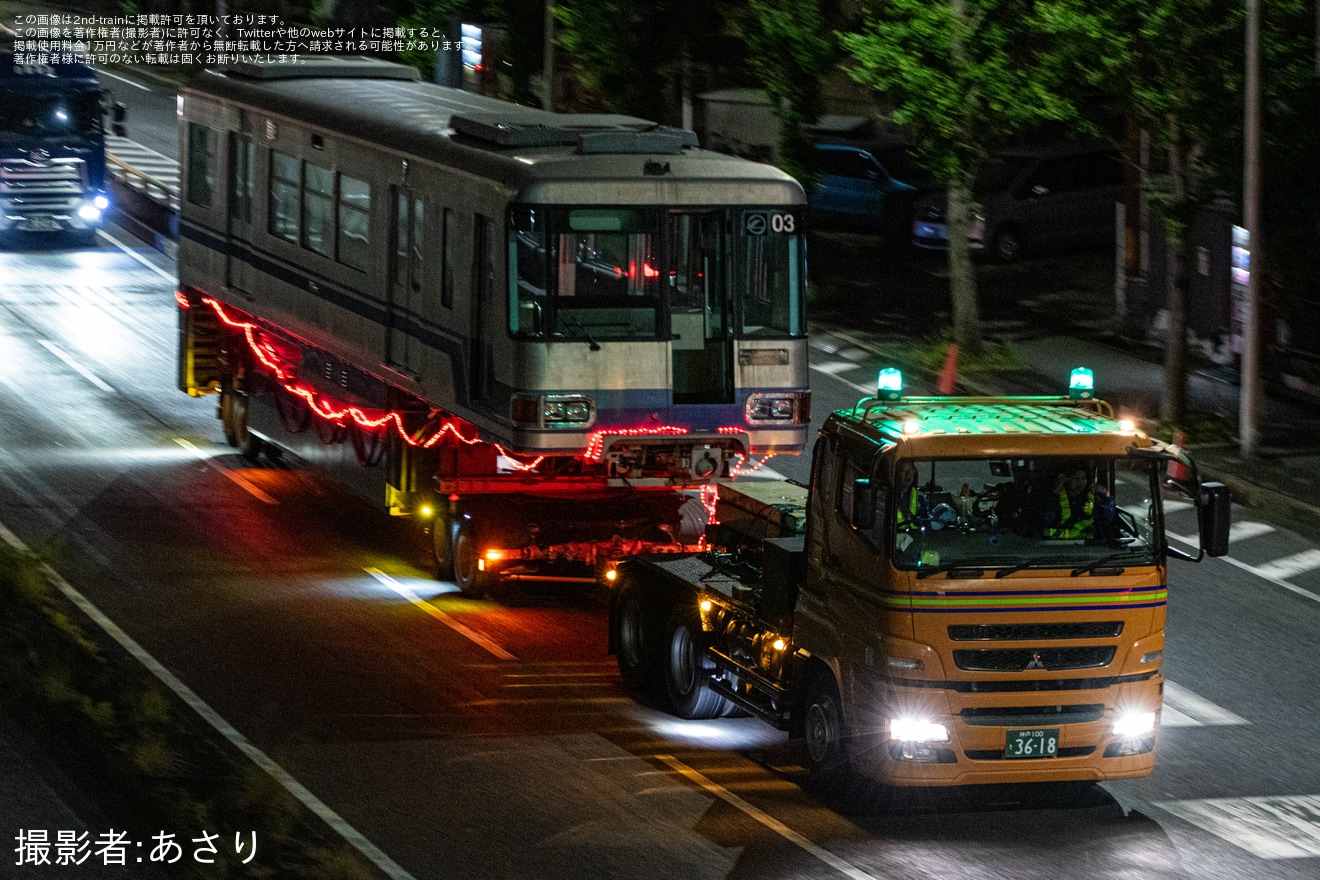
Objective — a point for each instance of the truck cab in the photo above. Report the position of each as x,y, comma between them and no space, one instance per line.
52,148
979,595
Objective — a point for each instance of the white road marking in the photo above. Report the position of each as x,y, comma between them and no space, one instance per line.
1307,560
848,869
101,71
75,366
866,389
1243,530
1278,581
833,368
439,615
237,478
354,837
123,247
1183,708
1174,505
1281,827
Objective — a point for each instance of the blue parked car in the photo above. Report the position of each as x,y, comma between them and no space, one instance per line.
871,187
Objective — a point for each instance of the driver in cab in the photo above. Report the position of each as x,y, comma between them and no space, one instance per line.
1079,505
911,505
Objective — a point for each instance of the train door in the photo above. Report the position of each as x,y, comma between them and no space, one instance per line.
483,286
702,362
404,308
238,221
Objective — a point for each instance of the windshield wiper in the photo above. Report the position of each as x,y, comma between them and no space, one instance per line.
591,343
1091,567
925,572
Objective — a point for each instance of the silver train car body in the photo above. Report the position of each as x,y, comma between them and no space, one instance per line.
584,286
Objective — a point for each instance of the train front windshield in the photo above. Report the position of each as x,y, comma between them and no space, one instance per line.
631,273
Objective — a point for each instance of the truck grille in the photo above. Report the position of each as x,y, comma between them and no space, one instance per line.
29,188
1030,632
1021,659
1032,716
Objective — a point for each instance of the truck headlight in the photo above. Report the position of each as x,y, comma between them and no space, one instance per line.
89,211
1134,724
920,730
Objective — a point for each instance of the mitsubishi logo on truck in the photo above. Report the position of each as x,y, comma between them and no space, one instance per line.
1036,662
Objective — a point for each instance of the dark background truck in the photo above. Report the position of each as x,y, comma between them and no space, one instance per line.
948,634
52,147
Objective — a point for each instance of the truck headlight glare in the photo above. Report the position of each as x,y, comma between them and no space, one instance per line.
1134,724
89,211
917,730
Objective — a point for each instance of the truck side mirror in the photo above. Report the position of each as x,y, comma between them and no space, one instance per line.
118,112
863,505
1213,516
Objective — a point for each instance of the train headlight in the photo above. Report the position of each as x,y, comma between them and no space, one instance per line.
553,410
787,406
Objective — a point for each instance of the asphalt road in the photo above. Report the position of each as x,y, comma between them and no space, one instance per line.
493,739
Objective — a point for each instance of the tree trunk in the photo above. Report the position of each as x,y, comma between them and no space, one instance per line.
962,275
1173,405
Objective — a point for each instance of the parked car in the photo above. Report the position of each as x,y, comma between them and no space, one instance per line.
867,186
1033,202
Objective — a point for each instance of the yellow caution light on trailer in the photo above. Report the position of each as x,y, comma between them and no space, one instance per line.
1081,384
1127,426
494,555
889,384
426,511
611,574
705,604
779,644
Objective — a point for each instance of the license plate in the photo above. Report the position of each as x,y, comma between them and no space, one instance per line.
1036,743
39,224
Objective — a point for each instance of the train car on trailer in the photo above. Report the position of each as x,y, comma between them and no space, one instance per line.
543,332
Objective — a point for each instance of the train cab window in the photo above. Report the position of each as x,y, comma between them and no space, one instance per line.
318,216
607,274
527,271
354,245
201,161
284,188
769,277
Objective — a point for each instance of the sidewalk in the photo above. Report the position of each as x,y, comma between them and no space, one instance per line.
1281,485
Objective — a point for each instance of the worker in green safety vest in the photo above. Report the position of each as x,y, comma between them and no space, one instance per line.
910,505
1078,505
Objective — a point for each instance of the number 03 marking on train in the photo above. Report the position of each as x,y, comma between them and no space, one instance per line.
758,223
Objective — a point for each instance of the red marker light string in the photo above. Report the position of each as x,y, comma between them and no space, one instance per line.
332,412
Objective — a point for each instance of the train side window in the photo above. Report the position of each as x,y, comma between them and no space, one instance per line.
284,187
243,156
448,230
201,161
527,271
354,242
318,214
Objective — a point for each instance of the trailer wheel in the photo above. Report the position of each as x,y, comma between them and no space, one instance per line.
824,735
471,580
635,634
234,419
443,531
688,669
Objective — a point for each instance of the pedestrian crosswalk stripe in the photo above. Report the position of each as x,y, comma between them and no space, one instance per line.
1288,566
1174,505
1183,708
1243,530
834,367
1282,827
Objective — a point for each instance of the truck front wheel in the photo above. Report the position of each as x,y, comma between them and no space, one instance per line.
824,735
688,669
469,577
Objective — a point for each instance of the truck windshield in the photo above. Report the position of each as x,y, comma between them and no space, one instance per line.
623,272
26,114
1084,514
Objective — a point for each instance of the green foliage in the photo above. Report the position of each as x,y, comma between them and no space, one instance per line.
790,51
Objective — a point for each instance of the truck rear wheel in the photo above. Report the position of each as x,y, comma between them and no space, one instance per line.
471,580
688,669
824,735
635,635
234,419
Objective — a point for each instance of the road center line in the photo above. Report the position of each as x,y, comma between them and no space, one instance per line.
350,834
848,869
238,479
75,366
439,615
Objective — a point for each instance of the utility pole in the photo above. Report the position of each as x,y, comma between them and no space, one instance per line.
1249,375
